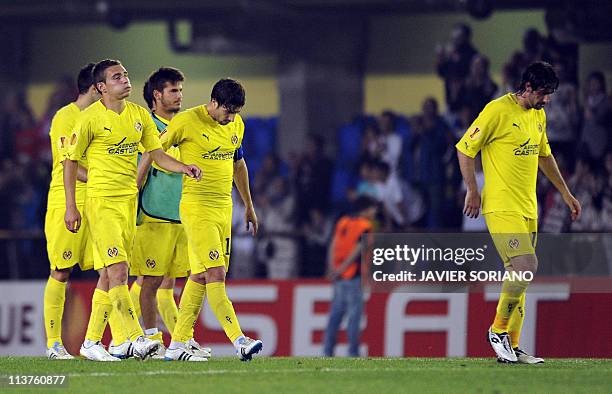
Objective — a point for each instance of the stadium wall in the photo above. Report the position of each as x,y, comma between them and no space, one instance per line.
290,317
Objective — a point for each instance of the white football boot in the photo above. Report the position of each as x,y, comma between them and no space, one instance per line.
96,352
198,349
247,347
501,345
182,353
58,352
145,347
524,358
122,351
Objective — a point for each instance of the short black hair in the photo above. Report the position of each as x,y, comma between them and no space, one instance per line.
157,81
85,78
229,93
540,75
362,203
465,28
100,69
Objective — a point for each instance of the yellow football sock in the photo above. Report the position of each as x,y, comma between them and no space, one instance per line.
101,308
55,296
516,322
167,307
122,303
509,299
223,310
157,337
117,329
135,295
188,311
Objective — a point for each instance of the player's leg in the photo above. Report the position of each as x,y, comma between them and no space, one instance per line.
101,309
54,298
135,290
113,225
354,311
337,310
514,243
166,304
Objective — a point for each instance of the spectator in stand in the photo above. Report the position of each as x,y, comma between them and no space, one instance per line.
371,146
277,246
534,47
390,141
478,88
243,244
15,116
597,113
317,234
453,62
313,178
389,191
270,169
433,140
563,116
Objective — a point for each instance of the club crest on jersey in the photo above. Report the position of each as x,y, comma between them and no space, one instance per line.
514,243
234,140
113,252
150,263
214,254
138,126
474,134
67,255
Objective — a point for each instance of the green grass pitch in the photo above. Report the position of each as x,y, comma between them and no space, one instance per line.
317,375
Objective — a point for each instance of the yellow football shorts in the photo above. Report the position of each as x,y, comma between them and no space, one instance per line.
512,233
112,225
66,249
209,232
160,249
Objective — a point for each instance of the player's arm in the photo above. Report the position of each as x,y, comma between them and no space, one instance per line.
72,217
548,165
241,179
81,174
143,169
471,207
169,163
335,273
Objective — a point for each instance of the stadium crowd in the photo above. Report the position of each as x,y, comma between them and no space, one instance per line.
406,162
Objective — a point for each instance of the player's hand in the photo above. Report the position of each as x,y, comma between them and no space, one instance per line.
193,171
251,219
72,219
332,275
471,207
574,206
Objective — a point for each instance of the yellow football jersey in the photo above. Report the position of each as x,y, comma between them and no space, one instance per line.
110,142
62,126
511,139
211,146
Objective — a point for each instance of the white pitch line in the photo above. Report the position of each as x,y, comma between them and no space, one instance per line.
229,371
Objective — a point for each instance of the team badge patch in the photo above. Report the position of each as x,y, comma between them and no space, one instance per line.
474,133
234,139
67,255
138,126
113,252
513,243
214,255
150,263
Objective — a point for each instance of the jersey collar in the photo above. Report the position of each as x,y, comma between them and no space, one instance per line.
163,120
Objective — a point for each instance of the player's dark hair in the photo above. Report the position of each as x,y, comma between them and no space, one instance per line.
362,203
157,81
229,93
540,75
100,69
85,78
